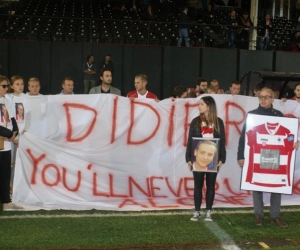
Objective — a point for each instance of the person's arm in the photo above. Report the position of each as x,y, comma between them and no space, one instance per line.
5,132
27,121
222,157
188,152
241,147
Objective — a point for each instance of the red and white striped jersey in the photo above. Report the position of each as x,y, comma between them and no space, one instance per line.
271,148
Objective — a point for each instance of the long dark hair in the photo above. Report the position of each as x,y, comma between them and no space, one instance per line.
212,114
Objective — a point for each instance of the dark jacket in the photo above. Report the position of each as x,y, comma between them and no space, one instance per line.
259,111
233,22
196,132
184,20
5,132
109,66
262,26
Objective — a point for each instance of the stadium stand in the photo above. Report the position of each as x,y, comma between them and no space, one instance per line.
95,21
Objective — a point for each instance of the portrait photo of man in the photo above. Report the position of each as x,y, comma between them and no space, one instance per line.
205,155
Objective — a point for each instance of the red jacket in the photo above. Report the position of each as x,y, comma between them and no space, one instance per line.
134,94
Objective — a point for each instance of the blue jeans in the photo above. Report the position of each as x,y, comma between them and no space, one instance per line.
183,33
229,38
263,43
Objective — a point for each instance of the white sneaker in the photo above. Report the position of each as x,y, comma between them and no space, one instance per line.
11,207
196,216
208,215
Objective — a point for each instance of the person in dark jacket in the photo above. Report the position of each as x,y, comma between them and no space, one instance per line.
263,32
206,125
108,64
265,108
232,23
183,25
245,31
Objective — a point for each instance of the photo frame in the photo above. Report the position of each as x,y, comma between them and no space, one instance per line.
205,154
269,154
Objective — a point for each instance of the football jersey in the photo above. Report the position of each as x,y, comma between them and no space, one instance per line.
271,148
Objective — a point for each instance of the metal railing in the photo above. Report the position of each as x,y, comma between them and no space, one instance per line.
69,29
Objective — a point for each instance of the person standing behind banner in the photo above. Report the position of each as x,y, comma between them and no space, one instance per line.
265,108
89,70
206,125
21,113
8,132
140,83
105,84
34,86
67,86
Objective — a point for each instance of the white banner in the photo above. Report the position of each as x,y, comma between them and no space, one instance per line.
107,152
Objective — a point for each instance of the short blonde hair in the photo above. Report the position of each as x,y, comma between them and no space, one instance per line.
33,79
142,76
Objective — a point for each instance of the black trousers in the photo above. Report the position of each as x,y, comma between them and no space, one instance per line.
5,172
210,189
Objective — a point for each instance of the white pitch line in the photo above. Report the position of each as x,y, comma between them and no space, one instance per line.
227,243
129,214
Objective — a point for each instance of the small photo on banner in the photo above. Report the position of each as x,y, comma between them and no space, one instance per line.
205,154
269,154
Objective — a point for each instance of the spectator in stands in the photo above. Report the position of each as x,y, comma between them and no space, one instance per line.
105,86
183,25
294,45
245,32
214,86
179,92
263,32
201,86
8,130
266,99
108,64
234,89
67,86
89,70
149,14
232,23
209,15
140,83
34,86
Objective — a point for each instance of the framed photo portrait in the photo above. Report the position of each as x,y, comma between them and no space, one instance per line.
269,154
205,154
